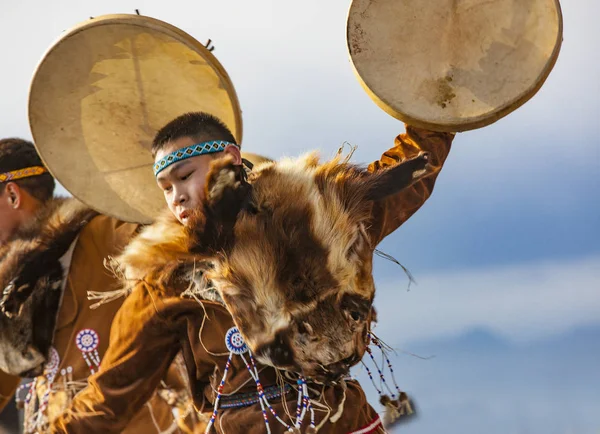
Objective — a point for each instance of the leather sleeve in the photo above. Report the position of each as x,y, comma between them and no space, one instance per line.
144,340
8,386
391,212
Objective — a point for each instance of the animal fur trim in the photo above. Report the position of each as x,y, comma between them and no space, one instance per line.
32,276
160,255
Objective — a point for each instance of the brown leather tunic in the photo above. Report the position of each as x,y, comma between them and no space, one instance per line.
103,236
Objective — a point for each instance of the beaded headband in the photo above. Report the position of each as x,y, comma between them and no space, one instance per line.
190,151
22,173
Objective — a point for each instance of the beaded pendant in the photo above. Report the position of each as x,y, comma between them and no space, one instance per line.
395,402
35,416
51,368
235,342
87,340
50,371
237,347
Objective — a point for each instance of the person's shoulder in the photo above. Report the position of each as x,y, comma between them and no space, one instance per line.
109,233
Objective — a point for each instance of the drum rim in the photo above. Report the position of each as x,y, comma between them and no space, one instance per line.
141,21
475,122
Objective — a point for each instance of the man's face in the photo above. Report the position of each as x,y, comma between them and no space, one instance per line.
183,182
9,217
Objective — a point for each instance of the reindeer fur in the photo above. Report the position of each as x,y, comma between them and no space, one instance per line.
31,278
291,253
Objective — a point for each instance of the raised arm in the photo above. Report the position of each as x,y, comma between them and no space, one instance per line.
391,212
144,340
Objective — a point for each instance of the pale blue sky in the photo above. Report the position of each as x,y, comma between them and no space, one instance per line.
508,243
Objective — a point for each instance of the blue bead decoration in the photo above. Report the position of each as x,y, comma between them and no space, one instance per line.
190,151
87,340
235,342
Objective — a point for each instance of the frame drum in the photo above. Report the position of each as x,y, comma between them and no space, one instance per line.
453,65
101,93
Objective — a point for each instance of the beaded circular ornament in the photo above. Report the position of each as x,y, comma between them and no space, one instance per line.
235,342
51,367
87,340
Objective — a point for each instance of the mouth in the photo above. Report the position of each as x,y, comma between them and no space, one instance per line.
331,374
183,215
326,378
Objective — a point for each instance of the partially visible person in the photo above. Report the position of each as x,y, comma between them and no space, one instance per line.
172,308
52,253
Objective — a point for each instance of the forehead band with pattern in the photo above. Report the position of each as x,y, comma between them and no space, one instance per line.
22,173
190,151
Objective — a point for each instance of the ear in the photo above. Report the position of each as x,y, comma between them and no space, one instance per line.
234,152
14,195
226,193
392,180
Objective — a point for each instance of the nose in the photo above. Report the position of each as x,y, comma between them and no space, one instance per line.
179,197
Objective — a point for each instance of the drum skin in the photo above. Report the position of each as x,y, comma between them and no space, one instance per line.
101,93
453,65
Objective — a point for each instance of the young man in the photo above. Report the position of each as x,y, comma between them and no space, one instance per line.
51,254
171,308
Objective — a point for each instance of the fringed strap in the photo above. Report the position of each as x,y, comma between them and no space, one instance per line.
340,410
395,409
104,297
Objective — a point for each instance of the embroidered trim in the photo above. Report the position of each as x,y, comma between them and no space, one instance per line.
371,428
22,173
251,398
190,151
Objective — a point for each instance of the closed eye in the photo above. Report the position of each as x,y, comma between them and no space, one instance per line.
185,177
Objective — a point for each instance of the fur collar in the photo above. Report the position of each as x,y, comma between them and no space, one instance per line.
31,276
156,250
161,256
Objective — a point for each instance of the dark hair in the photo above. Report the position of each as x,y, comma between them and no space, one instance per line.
198,125
18,154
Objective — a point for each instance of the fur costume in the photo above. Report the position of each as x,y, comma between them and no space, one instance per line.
32,276
46,271
174,307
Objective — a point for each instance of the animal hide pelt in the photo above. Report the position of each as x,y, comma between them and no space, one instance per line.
161,254
31,278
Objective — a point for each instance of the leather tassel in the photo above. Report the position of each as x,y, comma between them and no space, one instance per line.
395,408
